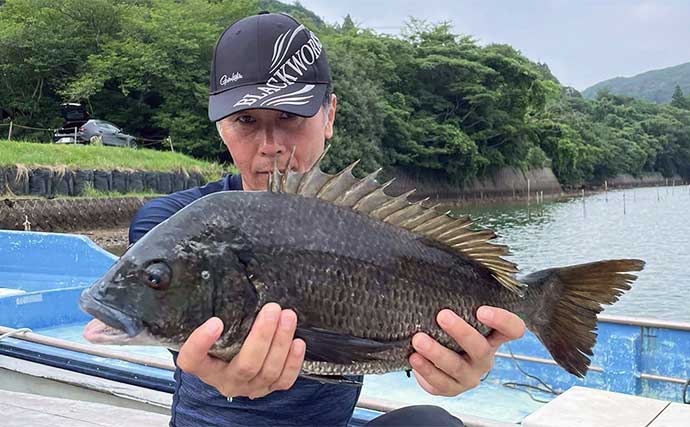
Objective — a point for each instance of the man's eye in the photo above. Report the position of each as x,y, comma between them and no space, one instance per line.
284,115
246,119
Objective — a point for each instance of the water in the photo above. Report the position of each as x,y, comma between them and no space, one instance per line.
653,225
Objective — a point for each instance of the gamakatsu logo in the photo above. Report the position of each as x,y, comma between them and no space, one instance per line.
225,79
285,72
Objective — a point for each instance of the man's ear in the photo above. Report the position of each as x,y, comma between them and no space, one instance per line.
331,117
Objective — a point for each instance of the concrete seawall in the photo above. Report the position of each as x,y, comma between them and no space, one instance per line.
51,181
645,180
507,182
510,183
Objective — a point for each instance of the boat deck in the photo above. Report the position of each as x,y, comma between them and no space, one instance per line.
21,410
582,406
579,406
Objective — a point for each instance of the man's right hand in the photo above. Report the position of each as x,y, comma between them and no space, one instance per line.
269,360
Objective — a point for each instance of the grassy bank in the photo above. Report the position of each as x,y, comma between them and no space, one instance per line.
103,158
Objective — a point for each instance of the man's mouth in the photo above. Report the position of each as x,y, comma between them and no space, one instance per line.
282,171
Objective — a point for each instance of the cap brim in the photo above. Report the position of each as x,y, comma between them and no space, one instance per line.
302,99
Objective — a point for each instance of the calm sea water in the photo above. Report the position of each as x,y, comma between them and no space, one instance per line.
652,224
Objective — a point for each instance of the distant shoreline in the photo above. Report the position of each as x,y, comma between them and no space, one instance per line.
497,200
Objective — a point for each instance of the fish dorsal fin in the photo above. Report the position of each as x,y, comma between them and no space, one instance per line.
367,196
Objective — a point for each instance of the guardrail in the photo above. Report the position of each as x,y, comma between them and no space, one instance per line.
146,141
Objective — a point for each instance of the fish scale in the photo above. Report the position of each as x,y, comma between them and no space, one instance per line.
408,296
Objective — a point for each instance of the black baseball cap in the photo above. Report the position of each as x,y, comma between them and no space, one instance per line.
268,61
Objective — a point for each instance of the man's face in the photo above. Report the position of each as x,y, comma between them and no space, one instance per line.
255,137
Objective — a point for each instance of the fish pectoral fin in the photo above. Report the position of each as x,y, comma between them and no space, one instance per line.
335,347
332,379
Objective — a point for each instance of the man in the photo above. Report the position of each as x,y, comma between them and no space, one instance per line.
270,95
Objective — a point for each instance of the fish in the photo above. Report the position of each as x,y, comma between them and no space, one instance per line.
363,270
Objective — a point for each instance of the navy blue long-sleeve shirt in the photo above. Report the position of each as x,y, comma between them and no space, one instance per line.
307,403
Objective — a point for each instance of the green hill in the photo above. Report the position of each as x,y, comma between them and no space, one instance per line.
655,86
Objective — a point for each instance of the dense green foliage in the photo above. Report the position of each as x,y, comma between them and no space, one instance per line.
654,86
429,101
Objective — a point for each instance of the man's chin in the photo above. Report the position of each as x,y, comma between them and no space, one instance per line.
258,183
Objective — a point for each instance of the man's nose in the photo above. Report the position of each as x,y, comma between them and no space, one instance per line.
270,146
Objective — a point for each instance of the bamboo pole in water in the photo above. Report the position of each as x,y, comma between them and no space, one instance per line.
606,190
623,203
584,209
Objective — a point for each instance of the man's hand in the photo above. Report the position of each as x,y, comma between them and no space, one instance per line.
443,372
269,360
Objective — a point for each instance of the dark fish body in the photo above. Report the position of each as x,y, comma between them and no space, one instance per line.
361,285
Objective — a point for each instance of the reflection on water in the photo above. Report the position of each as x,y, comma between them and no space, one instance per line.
647,223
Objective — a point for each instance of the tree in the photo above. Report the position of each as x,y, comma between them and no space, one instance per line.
679,100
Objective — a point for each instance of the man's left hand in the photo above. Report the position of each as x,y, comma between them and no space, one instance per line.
443,372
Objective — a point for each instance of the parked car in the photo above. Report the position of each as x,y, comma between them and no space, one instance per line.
79,129
4,115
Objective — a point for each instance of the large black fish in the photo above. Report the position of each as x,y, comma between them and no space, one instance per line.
363,271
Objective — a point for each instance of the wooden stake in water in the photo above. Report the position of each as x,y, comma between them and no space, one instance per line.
623,203
528,192
606,190
584,211
9,134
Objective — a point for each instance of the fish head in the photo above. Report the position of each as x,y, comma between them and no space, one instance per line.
165,286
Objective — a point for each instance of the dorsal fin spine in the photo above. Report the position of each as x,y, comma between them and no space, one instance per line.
367,197
288,168
358,185
396,200
357,206
404,211
333,181
442,217
307,176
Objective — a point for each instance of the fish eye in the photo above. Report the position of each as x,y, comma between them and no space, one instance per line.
157,276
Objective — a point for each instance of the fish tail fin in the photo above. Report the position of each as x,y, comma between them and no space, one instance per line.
563,304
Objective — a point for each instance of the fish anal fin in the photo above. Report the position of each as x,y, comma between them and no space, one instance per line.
332,379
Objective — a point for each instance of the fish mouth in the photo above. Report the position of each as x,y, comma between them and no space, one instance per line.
112,323
97,332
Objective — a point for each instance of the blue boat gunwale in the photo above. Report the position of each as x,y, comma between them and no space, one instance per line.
148,376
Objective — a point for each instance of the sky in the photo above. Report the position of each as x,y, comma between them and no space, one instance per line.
582,41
